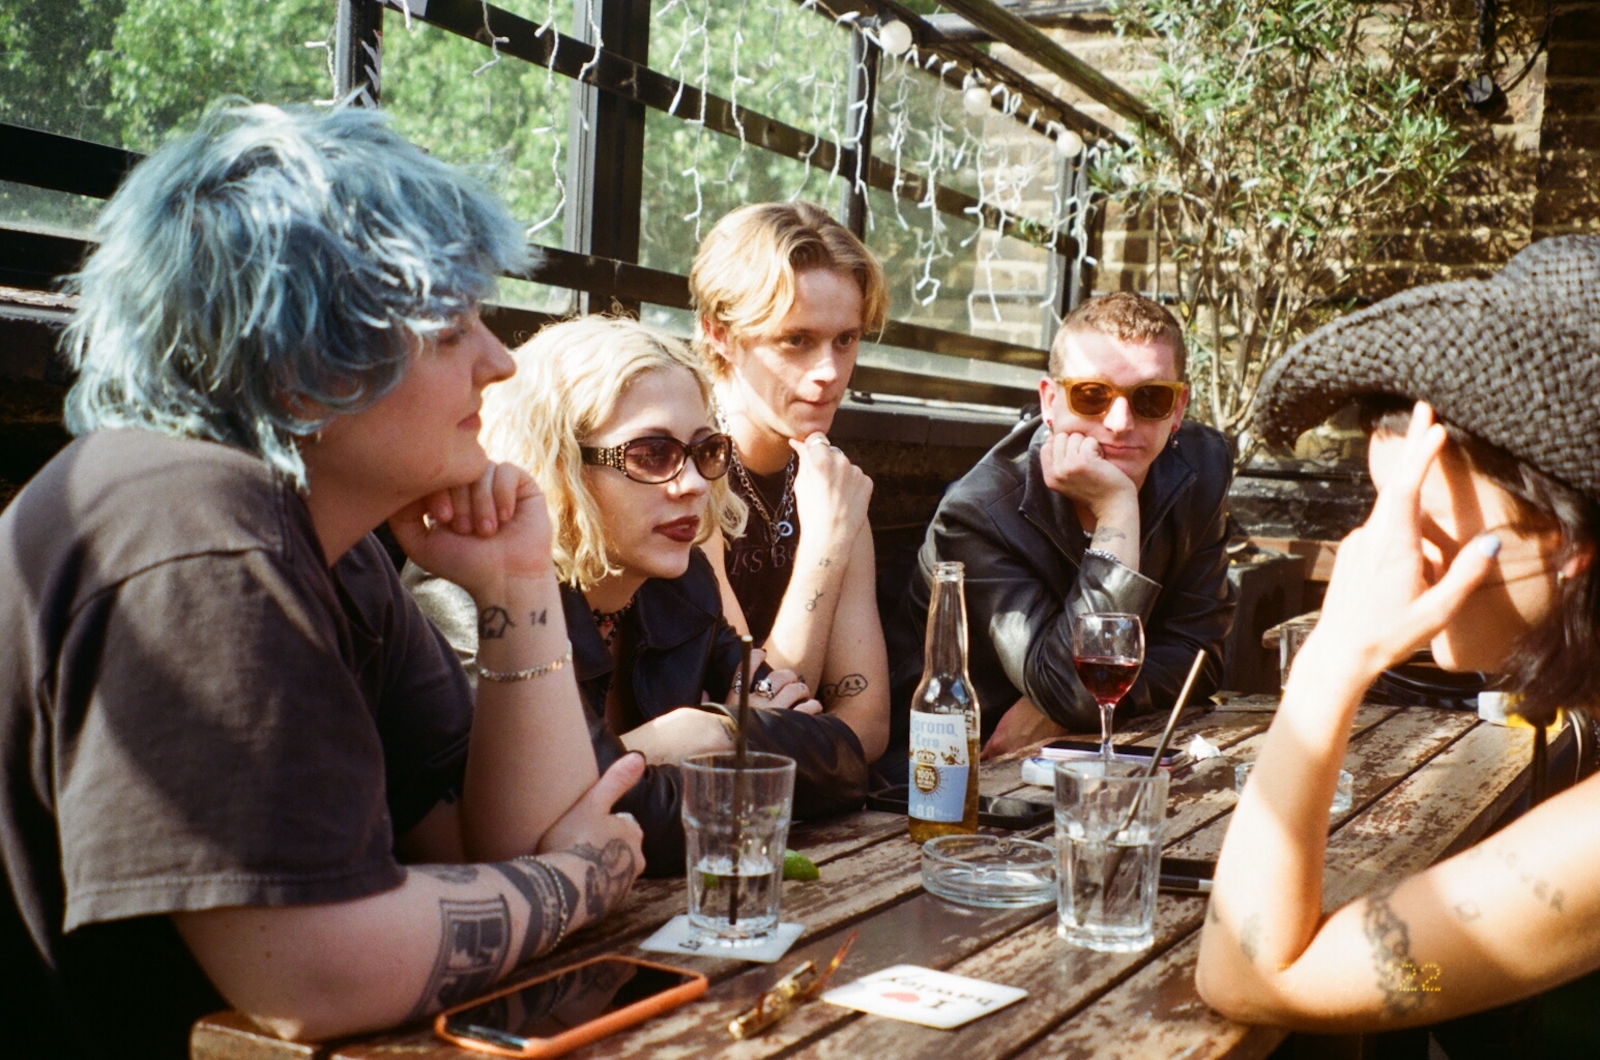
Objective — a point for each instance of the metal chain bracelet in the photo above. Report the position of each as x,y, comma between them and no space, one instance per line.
553,877
505,676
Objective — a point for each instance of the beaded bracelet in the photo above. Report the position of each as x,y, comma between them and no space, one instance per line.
530,673
1102,553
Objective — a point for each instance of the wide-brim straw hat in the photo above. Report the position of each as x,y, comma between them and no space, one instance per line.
1514,360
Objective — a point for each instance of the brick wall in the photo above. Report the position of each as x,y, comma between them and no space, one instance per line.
1530,170
1568,195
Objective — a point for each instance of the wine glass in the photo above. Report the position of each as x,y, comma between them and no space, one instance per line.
1107,650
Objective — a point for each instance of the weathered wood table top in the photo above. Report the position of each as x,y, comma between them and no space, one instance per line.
1427,783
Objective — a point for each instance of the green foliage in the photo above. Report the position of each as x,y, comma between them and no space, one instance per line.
46,80
1296,129
170,59
505,122
775,58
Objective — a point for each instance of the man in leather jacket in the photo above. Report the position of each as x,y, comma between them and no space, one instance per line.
1107,501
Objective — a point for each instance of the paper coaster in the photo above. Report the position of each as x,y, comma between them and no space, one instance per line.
922,995
674,937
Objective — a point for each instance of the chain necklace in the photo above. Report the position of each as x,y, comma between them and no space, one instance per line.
781,525
609,623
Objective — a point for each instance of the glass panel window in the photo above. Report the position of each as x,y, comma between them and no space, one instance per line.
693,176
502,119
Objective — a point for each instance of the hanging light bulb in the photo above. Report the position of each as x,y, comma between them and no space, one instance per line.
1068,144
894,37
975,101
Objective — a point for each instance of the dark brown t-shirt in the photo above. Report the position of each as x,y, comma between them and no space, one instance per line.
761,562
195,712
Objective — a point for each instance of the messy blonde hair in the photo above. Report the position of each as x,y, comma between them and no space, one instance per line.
744,274
569,379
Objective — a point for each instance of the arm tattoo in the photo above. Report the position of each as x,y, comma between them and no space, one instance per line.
1391,953
847,686
811,604
609,877
538,618
1250,937
456,874
1106,537
493,623
827,561
547,893
475,937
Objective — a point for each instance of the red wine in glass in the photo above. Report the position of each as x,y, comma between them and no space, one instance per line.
1107,652
1107,677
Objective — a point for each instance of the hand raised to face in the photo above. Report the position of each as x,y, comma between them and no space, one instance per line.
830,492
480,534
1074,467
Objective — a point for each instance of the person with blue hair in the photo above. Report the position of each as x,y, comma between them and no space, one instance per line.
239,766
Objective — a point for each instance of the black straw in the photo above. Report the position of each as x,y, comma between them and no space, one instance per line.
1155,763
746,644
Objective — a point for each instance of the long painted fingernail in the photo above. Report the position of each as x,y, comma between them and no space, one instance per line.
1488,544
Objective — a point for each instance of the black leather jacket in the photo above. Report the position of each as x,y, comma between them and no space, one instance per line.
1027,575
678,647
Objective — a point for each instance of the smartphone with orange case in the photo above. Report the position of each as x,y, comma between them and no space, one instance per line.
561,1010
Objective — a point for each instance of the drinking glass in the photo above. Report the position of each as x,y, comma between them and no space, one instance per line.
1108,851
736,823
1107,650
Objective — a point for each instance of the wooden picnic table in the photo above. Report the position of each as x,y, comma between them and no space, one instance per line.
1428,783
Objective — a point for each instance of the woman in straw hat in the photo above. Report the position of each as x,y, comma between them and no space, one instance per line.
1481,401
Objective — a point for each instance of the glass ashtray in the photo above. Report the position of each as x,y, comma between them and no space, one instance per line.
992,872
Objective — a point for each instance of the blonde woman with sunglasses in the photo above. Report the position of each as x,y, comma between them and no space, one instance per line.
1106,501
614,422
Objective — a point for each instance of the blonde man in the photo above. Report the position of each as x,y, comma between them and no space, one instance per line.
1106,501
614,422
783,294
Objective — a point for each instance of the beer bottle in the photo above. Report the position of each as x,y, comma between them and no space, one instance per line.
943,793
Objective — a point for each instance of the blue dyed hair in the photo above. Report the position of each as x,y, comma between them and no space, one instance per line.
273,269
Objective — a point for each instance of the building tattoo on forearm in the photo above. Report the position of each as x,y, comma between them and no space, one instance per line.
475,937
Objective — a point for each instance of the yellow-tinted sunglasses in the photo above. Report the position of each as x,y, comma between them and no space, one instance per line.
1093,398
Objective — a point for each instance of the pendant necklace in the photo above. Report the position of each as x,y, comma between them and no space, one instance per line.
609,623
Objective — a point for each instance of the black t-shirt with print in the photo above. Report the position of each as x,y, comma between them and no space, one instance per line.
761,562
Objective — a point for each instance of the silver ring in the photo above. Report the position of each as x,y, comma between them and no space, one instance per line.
629,816
762,688
819,439
836,449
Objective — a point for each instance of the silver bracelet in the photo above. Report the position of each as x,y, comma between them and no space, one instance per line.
1102,553
530,673
551,875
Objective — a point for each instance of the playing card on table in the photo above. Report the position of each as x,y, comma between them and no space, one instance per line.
922,995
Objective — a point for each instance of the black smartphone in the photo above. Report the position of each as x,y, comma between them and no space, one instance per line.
573,1006
1070,749
1187,875
994,811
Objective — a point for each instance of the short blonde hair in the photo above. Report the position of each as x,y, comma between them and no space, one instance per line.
744,274
569,379
1126,317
